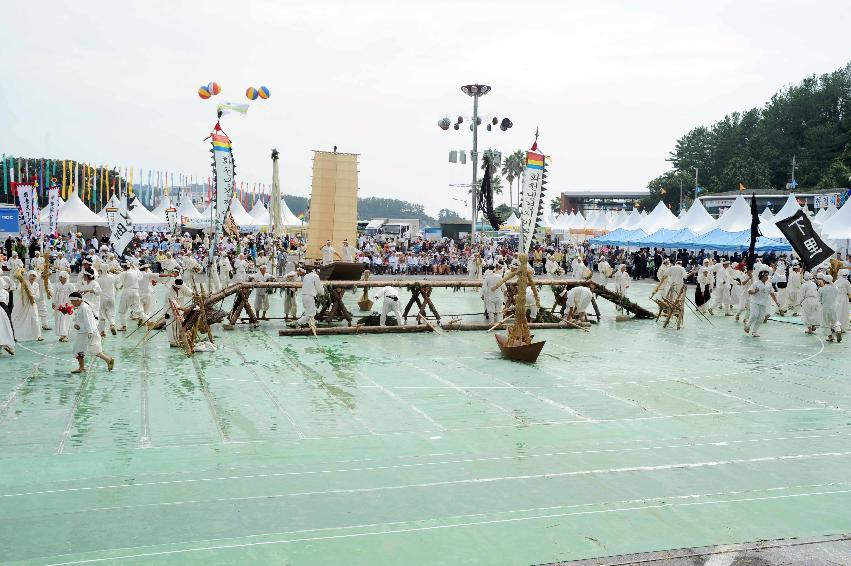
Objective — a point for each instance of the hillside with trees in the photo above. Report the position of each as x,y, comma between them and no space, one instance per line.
810,121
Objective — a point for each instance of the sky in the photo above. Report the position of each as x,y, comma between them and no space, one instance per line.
611,85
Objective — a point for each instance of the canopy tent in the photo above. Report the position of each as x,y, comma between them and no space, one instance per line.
619,237
290,219
579,222
633,221
790,207
511,223
767,215
666,238
734,219
824,214
75,213
696,218
242,219
159,210
643,214
838,226
661,217
260,212
189,216
144,220
721,240
111,203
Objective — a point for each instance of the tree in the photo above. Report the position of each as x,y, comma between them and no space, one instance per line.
512,169
667,188
503,211
446,214
555,204
496,185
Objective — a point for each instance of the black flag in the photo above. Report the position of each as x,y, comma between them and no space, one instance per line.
755,233
799,231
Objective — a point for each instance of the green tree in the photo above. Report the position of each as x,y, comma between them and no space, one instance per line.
555,204
446,214
667,188
512,170
503,211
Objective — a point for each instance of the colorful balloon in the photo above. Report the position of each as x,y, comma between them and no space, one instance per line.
263,92
214,88
251,93
204,93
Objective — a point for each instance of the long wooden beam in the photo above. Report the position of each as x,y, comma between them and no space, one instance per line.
362,329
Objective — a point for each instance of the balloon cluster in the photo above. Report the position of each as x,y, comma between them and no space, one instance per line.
209,89
252,93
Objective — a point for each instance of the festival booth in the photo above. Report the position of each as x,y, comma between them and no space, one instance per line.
159,210
511,224
75,216
260,213
189,216
111,203
767,215
619,237
660,218
695,219
290,219
838,227
824,214
241,218
144,220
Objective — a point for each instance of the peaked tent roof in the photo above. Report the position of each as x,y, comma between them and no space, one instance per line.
666,238
159,210
188,210
75,213
259,210
289,218
240,216
633,221
696,218
512,221
767,215
734,219
619,237
661,217
111,203
790,207
579,222
144,220
838,226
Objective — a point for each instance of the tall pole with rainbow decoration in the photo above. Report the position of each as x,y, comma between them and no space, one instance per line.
224,172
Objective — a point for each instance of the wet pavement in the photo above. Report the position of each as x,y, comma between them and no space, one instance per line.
424,449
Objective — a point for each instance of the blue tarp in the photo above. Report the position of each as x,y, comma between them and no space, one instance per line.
619,237
716,240
665,238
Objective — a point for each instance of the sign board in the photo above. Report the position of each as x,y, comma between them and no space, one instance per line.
9,220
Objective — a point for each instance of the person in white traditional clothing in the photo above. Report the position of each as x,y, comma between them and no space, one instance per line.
578,299
240,266
703,290
552,268
347,252
676,279
723,297
213,275
7,335
191,272
809,303
61,263
261,296
169,264
328,253
778,280
793,290
843,285
225,270
147,282
106,313
38,265
128,282
25,318
61,299
14,263
622,281
389,304
87,340
493,291
828,295
577,267
174,309
90,290
761,294
289,297
311,286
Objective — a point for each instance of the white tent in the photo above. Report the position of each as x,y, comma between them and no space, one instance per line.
633,221
75,213
111,203
45,212
189,216
511,222
260,212
242,219
838,226
660,217
290,219
767,215
144,220
579,222
735,219
159,211
790,207
695,219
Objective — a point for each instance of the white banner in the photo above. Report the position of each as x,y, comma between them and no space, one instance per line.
223,181
530,201
122,228
171,218
53,205
28,203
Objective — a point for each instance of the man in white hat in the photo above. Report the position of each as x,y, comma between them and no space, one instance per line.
793,290
261,296
390,304
761,294
61,298
843,285
174,310
347,252
106,313
578,299
493,291
622,281
289,296
147,282
809,303
87,340
128,282
328,253
311,286
828,295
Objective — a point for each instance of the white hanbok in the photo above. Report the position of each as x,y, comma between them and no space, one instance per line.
25,319
7,337
87,340
61,321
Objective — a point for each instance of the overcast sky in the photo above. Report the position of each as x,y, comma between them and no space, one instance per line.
610,84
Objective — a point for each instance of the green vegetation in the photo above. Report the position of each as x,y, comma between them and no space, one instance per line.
810,121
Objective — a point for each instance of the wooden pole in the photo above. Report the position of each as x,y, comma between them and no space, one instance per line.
333,330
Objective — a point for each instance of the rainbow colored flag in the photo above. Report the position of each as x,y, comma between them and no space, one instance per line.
221,143
534,160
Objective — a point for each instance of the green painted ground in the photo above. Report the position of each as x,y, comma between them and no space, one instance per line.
424,449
